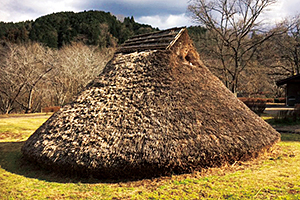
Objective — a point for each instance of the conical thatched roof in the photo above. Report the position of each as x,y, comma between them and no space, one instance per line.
150,113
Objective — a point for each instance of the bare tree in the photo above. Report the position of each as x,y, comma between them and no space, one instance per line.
286,48
23,67
77,65
233,28
34,76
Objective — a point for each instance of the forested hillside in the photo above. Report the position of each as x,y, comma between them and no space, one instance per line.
90,27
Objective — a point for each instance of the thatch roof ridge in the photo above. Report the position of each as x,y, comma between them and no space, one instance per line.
159,40
148,114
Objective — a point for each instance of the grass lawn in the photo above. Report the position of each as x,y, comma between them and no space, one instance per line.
273,176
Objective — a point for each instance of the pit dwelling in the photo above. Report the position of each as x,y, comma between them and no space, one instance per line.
154,110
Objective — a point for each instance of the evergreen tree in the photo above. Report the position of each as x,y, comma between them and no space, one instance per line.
63,28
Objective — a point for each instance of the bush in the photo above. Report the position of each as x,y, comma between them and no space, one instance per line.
269,100
297,111
288,117
257,105
279,100
51,109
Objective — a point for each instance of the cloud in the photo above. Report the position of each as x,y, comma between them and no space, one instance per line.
281,10
138,8
157,13
164,22
291,7
21,10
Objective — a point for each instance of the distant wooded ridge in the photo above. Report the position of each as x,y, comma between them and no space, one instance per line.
90,27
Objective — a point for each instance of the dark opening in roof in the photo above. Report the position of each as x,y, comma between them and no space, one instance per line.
160,40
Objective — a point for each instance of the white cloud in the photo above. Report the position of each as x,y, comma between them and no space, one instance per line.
21,10
164,22
281,10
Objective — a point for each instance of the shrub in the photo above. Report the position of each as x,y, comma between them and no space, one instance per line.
288,116
297,111
257,105
279,100
51,109
270,100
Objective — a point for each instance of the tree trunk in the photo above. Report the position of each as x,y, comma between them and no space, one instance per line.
29,109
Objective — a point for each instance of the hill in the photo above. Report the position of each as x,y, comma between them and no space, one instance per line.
90,27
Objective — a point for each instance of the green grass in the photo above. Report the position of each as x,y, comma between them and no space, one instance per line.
283,122
273,176
20,127
283,119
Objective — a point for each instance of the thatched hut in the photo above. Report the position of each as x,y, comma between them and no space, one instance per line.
150,113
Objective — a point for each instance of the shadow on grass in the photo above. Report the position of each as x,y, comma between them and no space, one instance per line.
290,137
11,160
283,122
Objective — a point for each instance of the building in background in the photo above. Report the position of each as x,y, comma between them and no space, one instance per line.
292,89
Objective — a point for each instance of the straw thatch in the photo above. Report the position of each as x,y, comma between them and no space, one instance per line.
160,40
150,113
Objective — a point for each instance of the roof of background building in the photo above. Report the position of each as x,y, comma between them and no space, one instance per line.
290,79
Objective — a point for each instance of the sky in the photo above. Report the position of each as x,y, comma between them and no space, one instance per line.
158,13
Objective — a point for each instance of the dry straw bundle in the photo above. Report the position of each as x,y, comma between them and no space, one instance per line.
150,113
